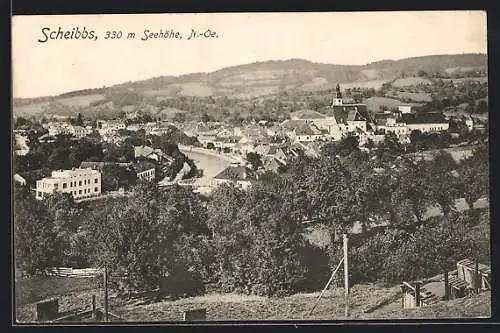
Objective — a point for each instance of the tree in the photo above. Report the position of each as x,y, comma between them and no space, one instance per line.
79,120
481,107
255,160
411,194
21,122
139,236
34,238
474,177
343,147
442,181
115,176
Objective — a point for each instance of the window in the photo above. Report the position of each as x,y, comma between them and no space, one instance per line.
96,181
65,185
79,191
96,189
80,183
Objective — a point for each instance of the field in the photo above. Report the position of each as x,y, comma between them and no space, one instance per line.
410,81
374,103
31,109
416,97
480,79
81,100
375,84
193,89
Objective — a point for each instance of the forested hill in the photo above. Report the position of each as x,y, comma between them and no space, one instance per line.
270,77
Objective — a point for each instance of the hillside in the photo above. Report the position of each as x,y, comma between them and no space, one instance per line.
266,78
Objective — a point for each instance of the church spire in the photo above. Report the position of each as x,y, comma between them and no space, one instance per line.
338,96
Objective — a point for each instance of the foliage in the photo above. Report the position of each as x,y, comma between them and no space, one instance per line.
255,160
473,179
116,176
34,237
394,255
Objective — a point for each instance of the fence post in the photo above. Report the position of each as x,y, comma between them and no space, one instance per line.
477,284
105,293
346,275
93,308
446,286
417,294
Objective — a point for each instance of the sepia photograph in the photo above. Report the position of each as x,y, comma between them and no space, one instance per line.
222,167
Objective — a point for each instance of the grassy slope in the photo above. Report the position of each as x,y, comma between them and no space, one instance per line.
477,306
296,307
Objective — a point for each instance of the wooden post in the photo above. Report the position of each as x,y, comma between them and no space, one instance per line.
93,308
477,284
446,287
346,275
403,297
417,294
105,293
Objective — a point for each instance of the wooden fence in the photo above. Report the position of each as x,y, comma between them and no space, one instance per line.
71,272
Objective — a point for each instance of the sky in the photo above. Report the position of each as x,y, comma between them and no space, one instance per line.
356,38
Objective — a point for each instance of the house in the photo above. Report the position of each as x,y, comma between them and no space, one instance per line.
80,131
150,153
327,123
144,171
238,174
80,183
271,163
405,108
306,133
225,133
18,179
425,122
207,141
390,123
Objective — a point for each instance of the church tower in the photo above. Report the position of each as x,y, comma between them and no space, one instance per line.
338,97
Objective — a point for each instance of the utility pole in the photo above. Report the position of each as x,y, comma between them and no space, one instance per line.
346,275
105,293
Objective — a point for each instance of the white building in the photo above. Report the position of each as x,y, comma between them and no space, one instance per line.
405,108
80,131
80,183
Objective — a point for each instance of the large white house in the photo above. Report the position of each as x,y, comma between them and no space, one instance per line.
80,183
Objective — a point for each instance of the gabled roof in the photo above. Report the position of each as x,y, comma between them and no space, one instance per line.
291,124
307,114
424,118
236,173
142,166
143,151
271,163
304,130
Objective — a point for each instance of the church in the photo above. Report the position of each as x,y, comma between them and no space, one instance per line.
341,118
